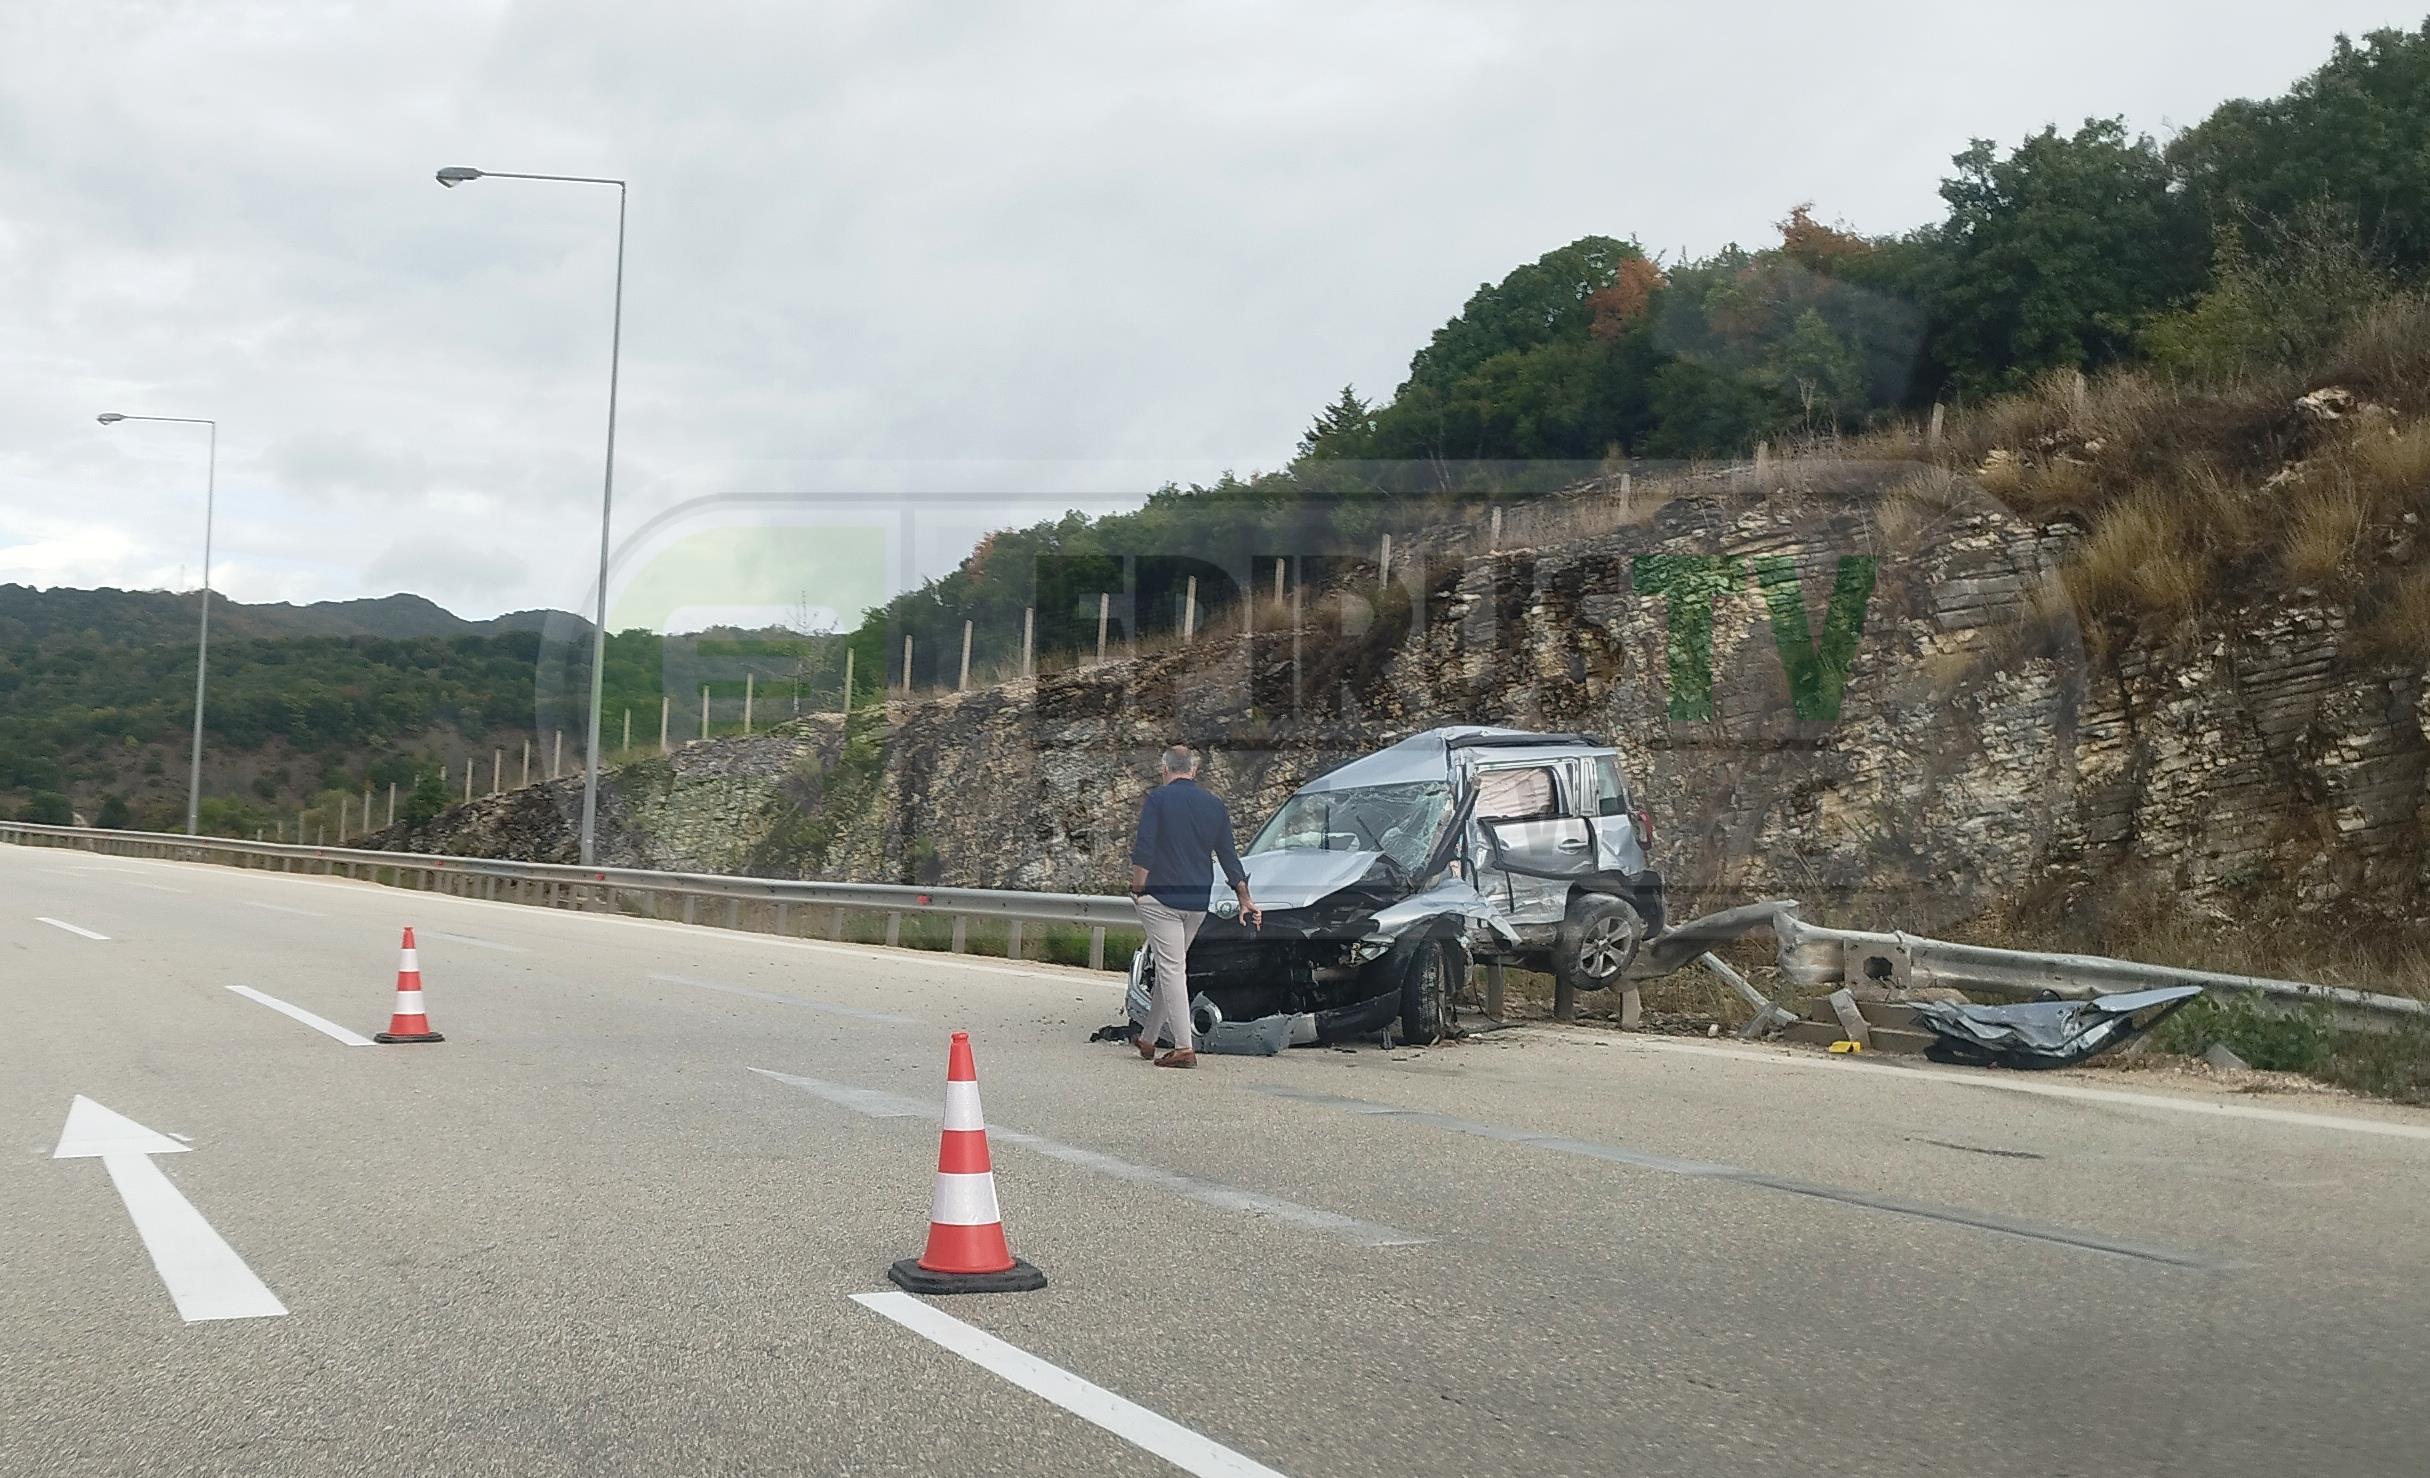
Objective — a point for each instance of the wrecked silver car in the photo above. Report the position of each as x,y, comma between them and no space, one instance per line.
1383,880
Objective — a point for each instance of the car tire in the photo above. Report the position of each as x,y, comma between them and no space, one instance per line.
1427,987
1598,942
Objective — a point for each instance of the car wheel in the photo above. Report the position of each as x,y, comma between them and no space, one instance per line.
1426,991
1598,942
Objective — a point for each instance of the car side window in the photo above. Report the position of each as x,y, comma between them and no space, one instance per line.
1611,792
1517,794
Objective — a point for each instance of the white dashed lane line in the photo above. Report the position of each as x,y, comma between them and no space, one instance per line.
510,949
855,1012
1092,1403
878,1104
319,1024
71,928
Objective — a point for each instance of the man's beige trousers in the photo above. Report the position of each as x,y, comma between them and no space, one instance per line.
1169,932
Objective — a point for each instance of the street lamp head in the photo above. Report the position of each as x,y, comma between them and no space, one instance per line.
457,174
109,418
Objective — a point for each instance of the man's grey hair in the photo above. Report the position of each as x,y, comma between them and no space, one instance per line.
1180,760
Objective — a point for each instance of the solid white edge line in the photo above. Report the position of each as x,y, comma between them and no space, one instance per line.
1094,1404
2201,1108
71,928
319,1024
205,1277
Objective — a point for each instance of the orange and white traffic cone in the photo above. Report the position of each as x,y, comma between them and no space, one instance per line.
966,1248
408,1023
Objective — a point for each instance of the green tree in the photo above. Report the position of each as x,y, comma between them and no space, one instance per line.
114,813
1817,369
428,799
2355,133
1344,430
2281,306
1540,303
48,808
2056,254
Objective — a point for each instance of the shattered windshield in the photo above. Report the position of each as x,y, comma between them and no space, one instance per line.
1401,821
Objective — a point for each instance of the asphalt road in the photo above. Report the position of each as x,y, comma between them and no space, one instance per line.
615,1223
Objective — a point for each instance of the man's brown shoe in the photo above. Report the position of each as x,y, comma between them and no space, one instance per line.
1147,1049
1178,1058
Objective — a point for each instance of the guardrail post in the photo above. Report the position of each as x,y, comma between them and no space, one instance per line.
733,913
835,922
781,908
961,933
689,900
894,929
1494,983
1012,940
1565,1001
1096,948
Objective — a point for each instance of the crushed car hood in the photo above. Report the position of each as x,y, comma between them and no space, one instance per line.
1294,877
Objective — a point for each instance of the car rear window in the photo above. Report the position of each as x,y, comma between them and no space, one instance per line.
1517,795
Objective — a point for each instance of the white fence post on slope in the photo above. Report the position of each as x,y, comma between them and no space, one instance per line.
1105,609
750,695
666,712
962,683
1029,639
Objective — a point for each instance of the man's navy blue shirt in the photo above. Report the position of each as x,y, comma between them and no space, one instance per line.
1181,830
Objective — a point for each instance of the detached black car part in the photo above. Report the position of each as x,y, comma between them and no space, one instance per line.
2043,1034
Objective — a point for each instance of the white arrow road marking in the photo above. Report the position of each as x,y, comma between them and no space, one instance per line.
1094,1404
205,1277
71,928
320,1024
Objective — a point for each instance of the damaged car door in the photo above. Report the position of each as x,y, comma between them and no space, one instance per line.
1531,842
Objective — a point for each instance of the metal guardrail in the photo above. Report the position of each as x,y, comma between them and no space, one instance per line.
1818,959
1811,955
563,885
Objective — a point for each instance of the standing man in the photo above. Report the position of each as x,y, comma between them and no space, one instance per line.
1183,831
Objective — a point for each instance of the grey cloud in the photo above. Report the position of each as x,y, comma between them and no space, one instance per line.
1065,243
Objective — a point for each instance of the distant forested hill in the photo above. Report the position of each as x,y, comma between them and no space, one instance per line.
308,703
143,617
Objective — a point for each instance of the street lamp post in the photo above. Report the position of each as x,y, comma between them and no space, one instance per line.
202,641
457,174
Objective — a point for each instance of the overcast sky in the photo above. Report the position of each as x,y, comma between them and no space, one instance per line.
1064,251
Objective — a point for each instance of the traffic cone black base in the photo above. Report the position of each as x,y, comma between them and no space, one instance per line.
392,1038
1019,1278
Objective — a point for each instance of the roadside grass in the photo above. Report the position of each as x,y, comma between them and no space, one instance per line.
2392,1064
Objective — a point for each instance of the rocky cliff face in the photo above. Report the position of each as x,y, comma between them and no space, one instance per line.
1859,692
